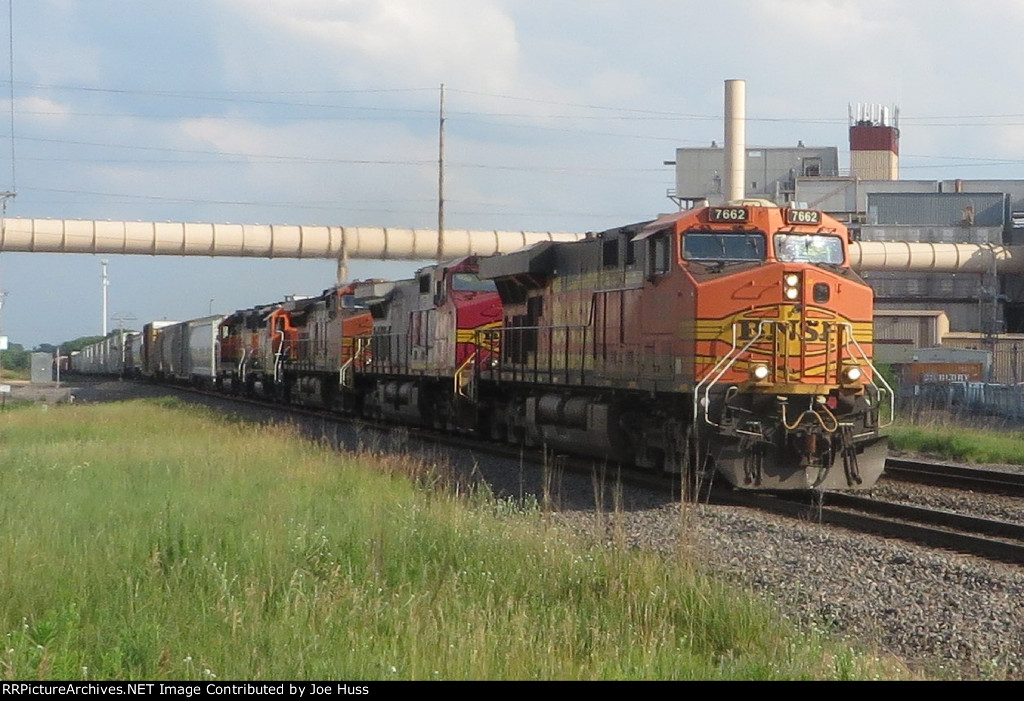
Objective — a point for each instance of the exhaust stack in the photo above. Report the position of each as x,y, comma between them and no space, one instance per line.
735,139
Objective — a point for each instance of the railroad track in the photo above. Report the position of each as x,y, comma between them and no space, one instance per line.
983,537
988,538
955,476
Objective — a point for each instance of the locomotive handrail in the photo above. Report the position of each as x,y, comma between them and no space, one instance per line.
459,379
362,344
279,353
389,352
876,374
243,364
725,363
343,375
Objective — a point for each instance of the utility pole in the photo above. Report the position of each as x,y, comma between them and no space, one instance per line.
3,339
106,284
440,179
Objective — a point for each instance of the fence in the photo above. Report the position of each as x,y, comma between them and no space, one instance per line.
968,399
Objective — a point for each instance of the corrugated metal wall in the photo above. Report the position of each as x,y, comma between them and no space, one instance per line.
933,234
898,286
876,165
849,194
919,330
937,209
700,171
962,315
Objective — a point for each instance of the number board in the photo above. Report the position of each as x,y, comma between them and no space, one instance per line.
728,214
803,216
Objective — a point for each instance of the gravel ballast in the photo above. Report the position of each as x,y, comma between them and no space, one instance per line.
949,615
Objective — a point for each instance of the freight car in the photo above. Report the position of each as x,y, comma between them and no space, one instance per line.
732,340
151,361
184,351
108,356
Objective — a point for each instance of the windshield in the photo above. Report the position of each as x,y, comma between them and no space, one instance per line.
469,282
723,246
801,248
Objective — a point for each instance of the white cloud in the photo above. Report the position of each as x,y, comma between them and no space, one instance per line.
42,109
408,42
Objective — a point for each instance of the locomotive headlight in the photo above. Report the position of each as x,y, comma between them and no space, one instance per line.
759,372
851,373
791,286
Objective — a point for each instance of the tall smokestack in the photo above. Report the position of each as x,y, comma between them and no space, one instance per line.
735,139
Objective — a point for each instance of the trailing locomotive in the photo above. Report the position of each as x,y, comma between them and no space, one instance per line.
732,340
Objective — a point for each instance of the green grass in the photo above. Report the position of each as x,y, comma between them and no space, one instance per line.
148,540
959,442
7,373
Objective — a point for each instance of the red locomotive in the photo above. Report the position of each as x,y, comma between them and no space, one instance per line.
732,340
429,343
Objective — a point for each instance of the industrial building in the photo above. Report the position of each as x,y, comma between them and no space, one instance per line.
915,310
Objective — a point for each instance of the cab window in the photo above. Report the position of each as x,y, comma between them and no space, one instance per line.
725,246
469,282
803,248
659,254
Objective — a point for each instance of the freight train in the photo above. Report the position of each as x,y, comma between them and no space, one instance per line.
729,340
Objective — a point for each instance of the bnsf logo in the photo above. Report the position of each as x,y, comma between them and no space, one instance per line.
807,331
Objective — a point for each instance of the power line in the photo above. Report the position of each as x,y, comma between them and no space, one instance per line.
619,113
10,55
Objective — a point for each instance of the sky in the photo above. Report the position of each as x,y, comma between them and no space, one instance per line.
559,116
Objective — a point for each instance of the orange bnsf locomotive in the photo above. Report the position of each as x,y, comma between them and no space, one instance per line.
731,340
734,339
